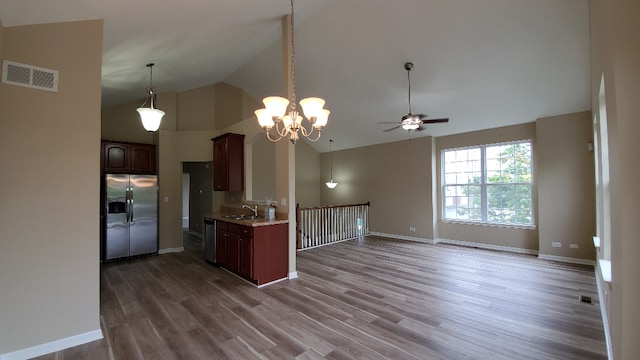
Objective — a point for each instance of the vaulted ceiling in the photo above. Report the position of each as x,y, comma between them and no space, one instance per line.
482,63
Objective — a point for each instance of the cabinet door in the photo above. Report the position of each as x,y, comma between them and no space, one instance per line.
142,158
115,157
221,246
228,162
233,252
246,253
220,164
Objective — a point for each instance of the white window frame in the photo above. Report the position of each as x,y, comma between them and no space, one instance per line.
483,185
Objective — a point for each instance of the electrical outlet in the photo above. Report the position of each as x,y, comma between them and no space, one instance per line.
556,244
412,229
573,246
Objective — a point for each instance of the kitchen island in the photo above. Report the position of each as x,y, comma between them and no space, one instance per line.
250,247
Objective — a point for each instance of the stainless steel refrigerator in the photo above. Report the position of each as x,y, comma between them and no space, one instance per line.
130,215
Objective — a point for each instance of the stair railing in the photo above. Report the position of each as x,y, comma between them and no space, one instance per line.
318,226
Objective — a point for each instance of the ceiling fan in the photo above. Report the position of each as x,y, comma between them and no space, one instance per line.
413,121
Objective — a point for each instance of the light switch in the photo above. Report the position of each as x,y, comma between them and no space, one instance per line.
283,201
166,199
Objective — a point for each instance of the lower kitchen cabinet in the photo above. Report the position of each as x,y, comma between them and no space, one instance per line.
245,252
258,254
222,240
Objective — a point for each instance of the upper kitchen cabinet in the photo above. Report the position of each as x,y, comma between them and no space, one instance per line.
129,158
228,162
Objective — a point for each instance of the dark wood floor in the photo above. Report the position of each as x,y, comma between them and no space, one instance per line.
372,298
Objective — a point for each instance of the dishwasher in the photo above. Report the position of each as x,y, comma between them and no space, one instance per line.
210,240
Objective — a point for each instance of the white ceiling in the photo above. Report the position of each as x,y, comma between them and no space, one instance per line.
482,63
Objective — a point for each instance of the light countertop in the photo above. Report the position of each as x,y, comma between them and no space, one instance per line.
260,221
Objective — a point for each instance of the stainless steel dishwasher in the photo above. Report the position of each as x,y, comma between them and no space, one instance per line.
210,240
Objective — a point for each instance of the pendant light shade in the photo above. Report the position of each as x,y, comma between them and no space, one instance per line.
150,116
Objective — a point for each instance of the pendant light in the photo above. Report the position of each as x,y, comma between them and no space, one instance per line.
274,113
331,184
150,116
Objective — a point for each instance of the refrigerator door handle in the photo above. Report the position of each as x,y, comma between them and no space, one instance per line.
127,191
131,205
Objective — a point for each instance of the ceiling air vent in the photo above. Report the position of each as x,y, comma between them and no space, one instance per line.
29,76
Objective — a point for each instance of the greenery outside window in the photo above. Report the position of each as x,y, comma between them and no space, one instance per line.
489,184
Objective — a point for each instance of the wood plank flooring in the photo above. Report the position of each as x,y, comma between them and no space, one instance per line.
372,298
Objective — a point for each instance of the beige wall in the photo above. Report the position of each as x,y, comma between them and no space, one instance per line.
522,238
196,109
616,55
566,183
395,177
263,168
49,218
308,182
229,110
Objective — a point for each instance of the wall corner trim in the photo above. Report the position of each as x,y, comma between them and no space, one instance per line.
603,294
53,346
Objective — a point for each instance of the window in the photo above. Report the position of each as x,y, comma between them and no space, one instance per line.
489,184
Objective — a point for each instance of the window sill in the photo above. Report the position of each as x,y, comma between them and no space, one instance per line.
510,226
605,270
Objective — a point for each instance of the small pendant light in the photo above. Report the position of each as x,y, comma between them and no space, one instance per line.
331,184
150,116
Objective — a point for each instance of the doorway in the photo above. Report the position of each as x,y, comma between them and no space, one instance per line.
197,197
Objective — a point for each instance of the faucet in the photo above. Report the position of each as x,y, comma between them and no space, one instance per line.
254,209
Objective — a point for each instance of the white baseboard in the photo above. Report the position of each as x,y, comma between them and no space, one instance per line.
293,275
53,346
402,237
169,250
488,246
565,259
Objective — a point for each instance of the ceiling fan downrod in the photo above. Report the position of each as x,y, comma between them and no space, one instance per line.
408,66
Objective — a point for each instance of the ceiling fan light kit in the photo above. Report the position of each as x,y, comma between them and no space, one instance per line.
275,113
413,121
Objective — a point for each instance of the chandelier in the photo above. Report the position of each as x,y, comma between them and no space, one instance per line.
150,116
275,115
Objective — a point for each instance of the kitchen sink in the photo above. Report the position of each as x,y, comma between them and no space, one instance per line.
241,217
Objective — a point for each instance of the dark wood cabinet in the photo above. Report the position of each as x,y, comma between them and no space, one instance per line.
270,253
233,248
258,254
129,158
222,240
245,255
228,162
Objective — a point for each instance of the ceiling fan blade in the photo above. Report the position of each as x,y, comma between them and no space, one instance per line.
389,122
433,121
393,128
